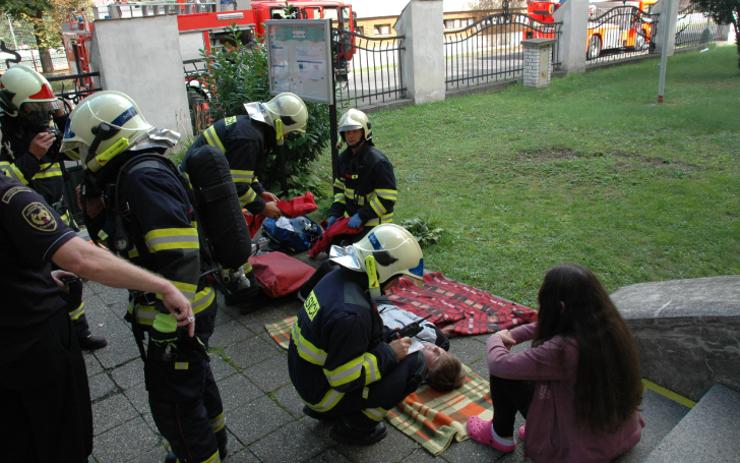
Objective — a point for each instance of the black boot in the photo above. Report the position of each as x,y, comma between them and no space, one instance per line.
91,342
344,433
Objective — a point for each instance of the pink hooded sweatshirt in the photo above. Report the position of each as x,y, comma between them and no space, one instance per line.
552,433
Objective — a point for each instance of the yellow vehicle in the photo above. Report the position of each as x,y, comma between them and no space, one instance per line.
618,25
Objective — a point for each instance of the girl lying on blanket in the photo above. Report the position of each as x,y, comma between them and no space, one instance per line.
444,370
578,386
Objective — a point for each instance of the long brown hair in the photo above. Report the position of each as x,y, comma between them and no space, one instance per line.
573,303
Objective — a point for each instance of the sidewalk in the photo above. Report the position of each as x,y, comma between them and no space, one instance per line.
263,412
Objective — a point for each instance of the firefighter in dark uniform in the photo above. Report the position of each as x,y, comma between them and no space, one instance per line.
44,394
136,201
365,185
246,142
29,150
337,358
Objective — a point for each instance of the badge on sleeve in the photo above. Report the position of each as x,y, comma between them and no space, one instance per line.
39,217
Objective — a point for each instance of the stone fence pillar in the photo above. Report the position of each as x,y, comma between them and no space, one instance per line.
537,62
574,16
423,60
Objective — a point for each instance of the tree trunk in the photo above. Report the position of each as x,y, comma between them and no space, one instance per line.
39,34
47,66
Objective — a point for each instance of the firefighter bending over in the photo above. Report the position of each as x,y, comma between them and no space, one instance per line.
138,204
29,151
337,358
246,142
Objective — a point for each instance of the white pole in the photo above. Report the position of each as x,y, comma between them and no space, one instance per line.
664,24
12,32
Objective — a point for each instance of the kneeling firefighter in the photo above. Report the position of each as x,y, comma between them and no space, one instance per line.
245,141
338,360
137,203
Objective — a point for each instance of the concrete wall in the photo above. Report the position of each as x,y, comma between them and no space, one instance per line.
423,63
574,16
687,331
141,57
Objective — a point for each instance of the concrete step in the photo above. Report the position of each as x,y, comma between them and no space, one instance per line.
661,415
709,433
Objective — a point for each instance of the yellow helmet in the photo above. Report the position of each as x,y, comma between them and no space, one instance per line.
393,249
355,119
286,113
21,84
102,126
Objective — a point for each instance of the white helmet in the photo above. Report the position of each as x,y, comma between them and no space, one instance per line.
21,84
355,119
102,126
394,250
286,113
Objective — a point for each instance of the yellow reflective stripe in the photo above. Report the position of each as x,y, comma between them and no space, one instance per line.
133,253
339,198
329,401
217,422
203,299
345,373
212,138
306,350
11,170
242,176
349,193
339,183
144,313
215,458
372,371
387,193
164,239
248,197
48,172
376,205
375,414
78,312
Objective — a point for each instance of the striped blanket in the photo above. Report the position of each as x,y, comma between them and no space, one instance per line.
433,419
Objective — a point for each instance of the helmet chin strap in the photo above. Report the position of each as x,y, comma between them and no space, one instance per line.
372,277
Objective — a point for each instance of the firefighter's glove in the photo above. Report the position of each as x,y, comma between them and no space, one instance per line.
71,286
355,221
330,221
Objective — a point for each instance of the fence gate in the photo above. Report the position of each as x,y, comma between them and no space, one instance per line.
490,50
367,69
696,29
619,33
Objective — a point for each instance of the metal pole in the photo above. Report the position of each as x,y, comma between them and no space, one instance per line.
12,32
333,112
664,49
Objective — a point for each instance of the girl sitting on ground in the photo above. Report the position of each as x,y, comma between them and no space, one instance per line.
578,386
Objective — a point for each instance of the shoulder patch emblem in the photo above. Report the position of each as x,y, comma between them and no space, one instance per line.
229,120
12,192
38,216
311,306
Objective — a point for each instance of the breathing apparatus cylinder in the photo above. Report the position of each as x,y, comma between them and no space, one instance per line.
217,204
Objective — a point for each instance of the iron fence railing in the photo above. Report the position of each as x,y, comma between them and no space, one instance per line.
373,75
490,50
154,8
620,33
696,29
30,57
74,87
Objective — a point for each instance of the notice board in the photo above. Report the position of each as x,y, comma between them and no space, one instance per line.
299,58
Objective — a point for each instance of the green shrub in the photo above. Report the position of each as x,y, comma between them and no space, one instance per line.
240,76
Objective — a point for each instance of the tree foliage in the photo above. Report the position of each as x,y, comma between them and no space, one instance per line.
240,76
723,12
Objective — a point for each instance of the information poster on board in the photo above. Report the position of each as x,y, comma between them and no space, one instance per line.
299,56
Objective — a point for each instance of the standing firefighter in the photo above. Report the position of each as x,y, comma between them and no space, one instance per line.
136,202
246,142
44,394
29,151
365,186
337,359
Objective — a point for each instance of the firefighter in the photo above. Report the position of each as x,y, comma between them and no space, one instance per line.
44,393
29,151
137,203
365,185
246,141
337,359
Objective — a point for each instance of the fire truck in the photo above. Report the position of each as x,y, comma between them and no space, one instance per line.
608,28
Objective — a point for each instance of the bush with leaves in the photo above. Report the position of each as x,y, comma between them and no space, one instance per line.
424,233
723,12
242,75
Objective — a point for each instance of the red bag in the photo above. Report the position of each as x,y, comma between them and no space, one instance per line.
280,274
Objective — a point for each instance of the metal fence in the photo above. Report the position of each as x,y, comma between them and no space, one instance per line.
372,76
490,50
619,34
30,57
695,29
152,8
74,87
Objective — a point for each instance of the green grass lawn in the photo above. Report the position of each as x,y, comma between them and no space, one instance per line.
589,170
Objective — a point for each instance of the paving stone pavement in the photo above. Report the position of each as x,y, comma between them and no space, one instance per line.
263,412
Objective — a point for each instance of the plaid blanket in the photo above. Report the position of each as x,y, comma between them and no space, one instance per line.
431,418
456,308
434,419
